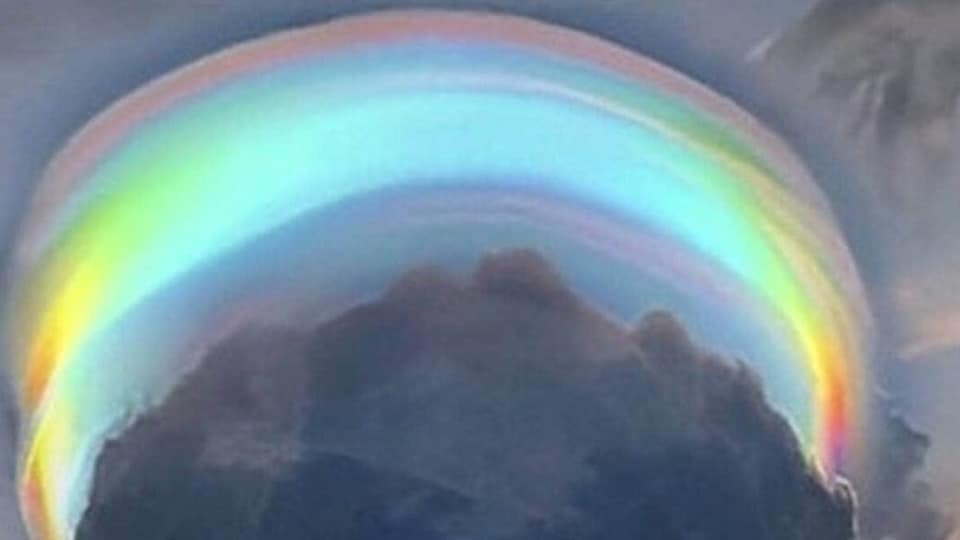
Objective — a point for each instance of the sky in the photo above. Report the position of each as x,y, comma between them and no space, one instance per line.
63,61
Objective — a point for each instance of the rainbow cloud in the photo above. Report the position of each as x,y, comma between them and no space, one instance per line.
315,166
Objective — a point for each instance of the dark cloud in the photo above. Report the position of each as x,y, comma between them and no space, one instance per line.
499,408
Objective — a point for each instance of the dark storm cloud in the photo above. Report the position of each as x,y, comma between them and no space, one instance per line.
500,408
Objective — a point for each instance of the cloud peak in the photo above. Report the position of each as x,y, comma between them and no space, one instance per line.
502,407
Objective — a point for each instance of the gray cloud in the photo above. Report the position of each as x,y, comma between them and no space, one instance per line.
899,503
499,408
878,82
9,507
888,72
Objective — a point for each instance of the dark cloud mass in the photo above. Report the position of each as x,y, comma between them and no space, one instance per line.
500,408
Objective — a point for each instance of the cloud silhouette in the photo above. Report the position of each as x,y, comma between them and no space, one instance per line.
502,407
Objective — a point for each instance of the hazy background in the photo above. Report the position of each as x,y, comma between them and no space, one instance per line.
866,90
